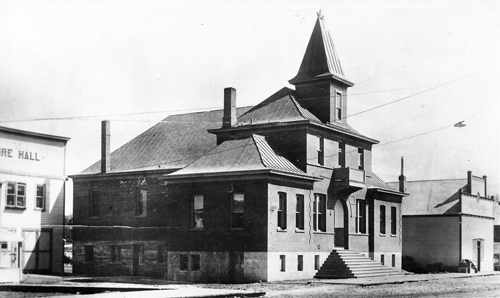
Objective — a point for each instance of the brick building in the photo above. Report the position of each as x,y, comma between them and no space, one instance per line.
446,221
32,192
281,190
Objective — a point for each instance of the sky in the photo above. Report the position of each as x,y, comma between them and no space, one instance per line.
418,68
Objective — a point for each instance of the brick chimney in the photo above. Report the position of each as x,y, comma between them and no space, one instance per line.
105,144
402,178
229,119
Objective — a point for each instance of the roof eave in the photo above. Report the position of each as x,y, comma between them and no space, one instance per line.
174,176
359,136
328,75
388,191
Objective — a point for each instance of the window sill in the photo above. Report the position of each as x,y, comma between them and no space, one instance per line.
323,233
40,209
394,235
382,235
15,207
299,231
281,230
197,229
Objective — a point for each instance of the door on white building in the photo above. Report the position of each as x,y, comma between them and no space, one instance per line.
478,249
37,248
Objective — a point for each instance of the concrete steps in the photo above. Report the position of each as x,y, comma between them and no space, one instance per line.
350,264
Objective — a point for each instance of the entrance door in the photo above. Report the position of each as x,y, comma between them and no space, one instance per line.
237,265
478,248
37,250
136,259
340,227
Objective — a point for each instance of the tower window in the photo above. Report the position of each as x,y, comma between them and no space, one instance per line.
338,107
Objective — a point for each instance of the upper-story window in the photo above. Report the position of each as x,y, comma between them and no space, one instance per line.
197,211
319,210
361,216
361,159
16,195
338,106
94,203
40,197
237,210
299,213
282,211
141,202
341,154
321,151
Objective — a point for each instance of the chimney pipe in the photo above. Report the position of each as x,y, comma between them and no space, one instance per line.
485,188
402,178
469,182
105,150
229,118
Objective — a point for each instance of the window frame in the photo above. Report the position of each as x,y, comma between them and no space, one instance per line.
394,220
282,211
116,253
360,216
88,253
159,252
141,202
319,213
195,262
338,106
197,212
184,262
235,214
316,262
299,212
361,159
321,150
282,263
341,152
42,197
94,203
382,221
300,263
15,196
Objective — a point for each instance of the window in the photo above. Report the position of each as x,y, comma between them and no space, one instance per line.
88,253
361,216
197,213
393,220
184,262
40,197
160,254
299,213
141,253
361,159
195,262
16,195
338,107
382,219
116,252
237,211
238,260
283,263
300,263
382,259
393,260
141,202
94,203
321,153
319,220
341,159
282,211
316,262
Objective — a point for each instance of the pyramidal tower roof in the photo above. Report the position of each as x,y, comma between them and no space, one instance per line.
320,60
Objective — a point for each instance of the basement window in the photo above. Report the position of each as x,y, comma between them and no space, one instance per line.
195,262
316,262
116,252
184,262
88,253
300,263
283,263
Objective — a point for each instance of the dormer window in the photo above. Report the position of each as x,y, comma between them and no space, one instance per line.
338,106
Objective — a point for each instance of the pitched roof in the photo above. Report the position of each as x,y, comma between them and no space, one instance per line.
320,59
279,107
375,182
159,147
241,155
432,196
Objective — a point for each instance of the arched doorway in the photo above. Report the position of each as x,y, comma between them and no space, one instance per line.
341,233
